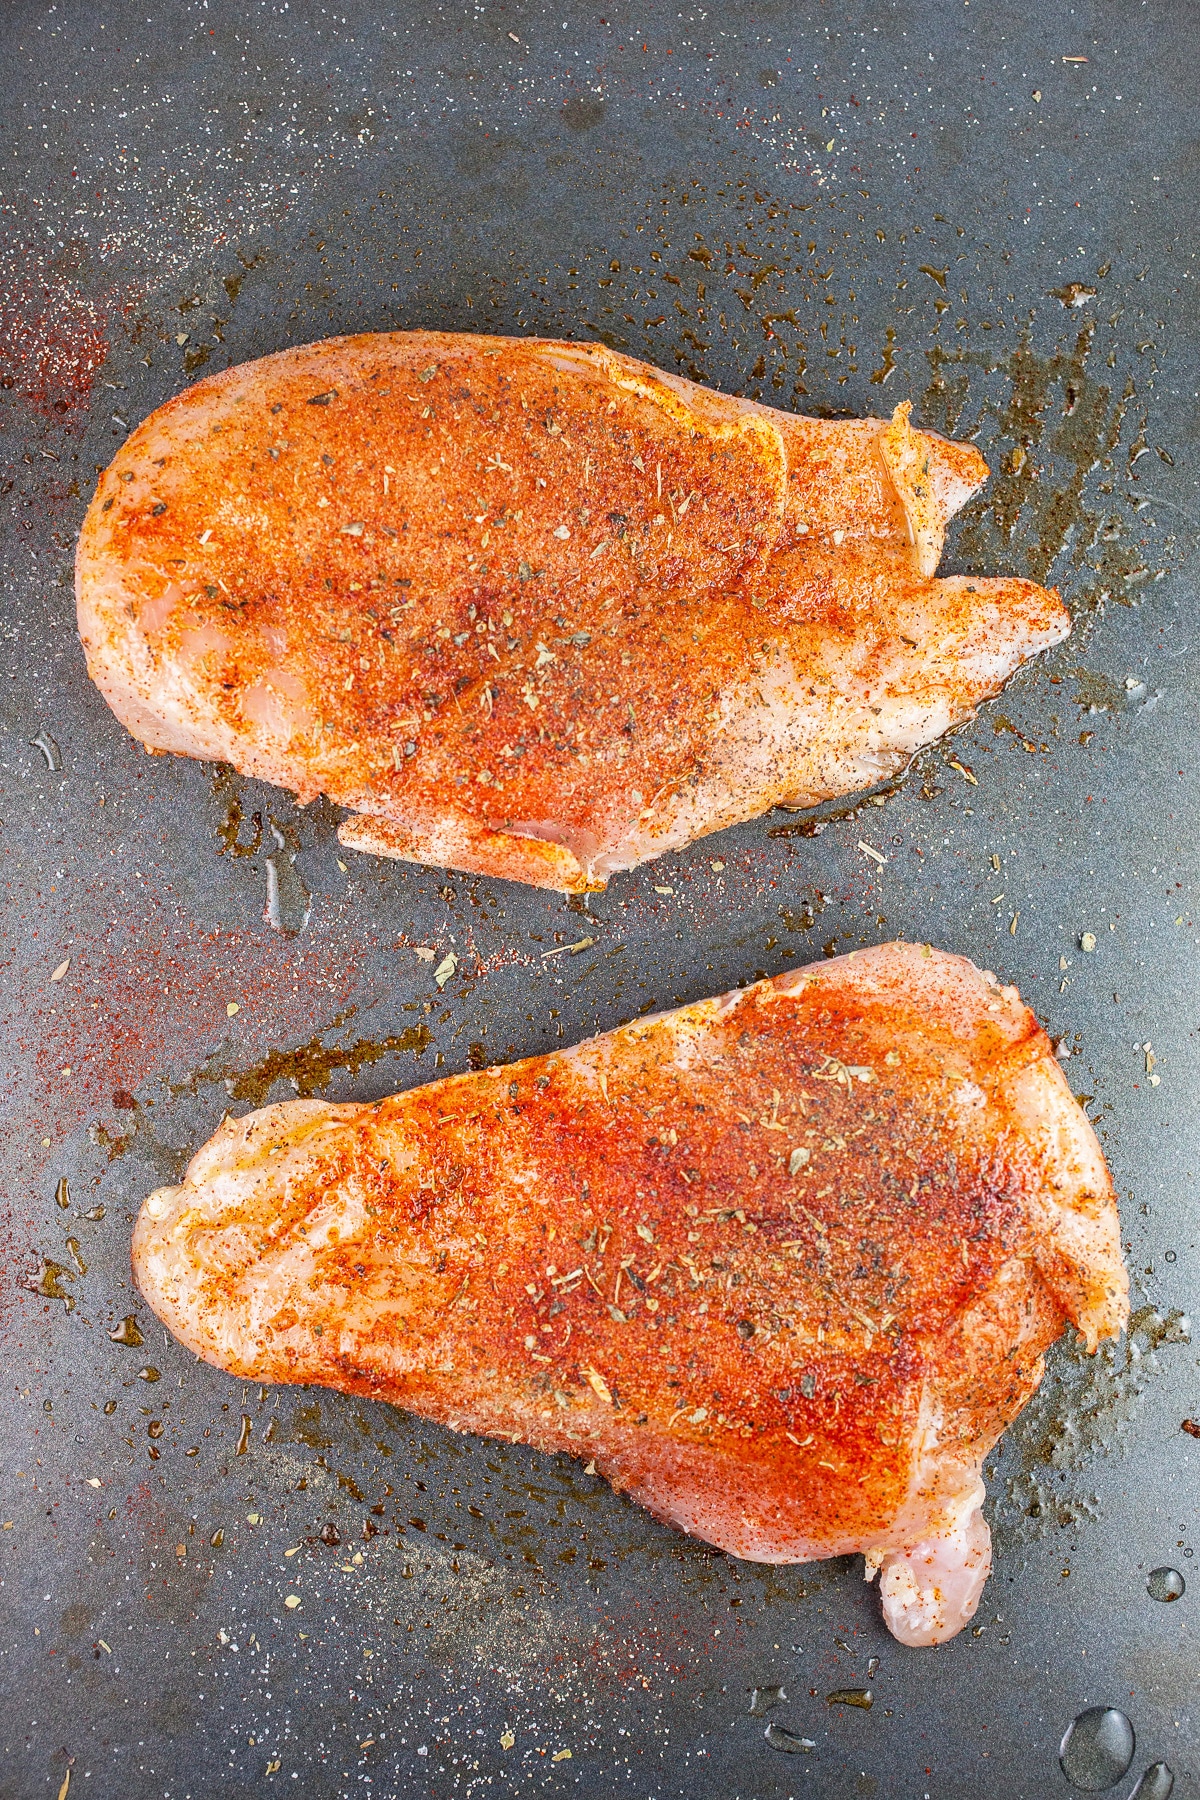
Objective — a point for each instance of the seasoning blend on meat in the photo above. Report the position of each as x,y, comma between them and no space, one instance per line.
532,608
784,1263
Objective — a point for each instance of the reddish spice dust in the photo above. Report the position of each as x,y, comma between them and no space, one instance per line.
124,1016
53,341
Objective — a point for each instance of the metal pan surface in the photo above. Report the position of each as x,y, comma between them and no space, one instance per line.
986,210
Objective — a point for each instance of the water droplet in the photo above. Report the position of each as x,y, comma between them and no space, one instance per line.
49,749
1165,1584
762,1699
1097,1748
289,903
780,1738
1155,1784
861,1697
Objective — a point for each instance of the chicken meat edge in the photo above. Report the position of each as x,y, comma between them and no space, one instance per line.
534,609
898,1202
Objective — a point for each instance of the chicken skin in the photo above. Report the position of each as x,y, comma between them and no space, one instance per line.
535,609
783,1264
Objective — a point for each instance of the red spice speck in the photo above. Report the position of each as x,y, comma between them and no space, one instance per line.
52,342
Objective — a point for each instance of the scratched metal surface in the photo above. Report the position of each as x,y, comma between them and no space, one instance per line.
830,208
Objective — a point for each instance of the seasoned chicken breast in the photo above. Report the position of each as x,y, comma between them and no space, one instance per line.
531,608
783,1264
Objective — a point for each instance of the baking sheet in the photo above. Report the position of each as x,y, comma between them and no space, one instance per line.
832,209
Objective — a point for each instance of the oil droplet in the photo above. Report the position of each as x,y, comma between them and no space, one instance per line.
45,1282
888,365
1097,1748
1165,1584
243,1444
224,783
127,1333
762,1699
310,1066
289,903
861,1697
217,1539
62,1193
110,1407
1156,1783
780,1738
149,1373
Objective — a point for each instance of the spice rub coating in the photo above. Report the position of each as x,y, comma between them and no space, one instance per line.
535,609
782,1263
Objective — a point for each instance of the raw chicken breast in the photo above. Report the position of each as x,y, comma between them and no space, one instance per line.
783,1263
531,608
